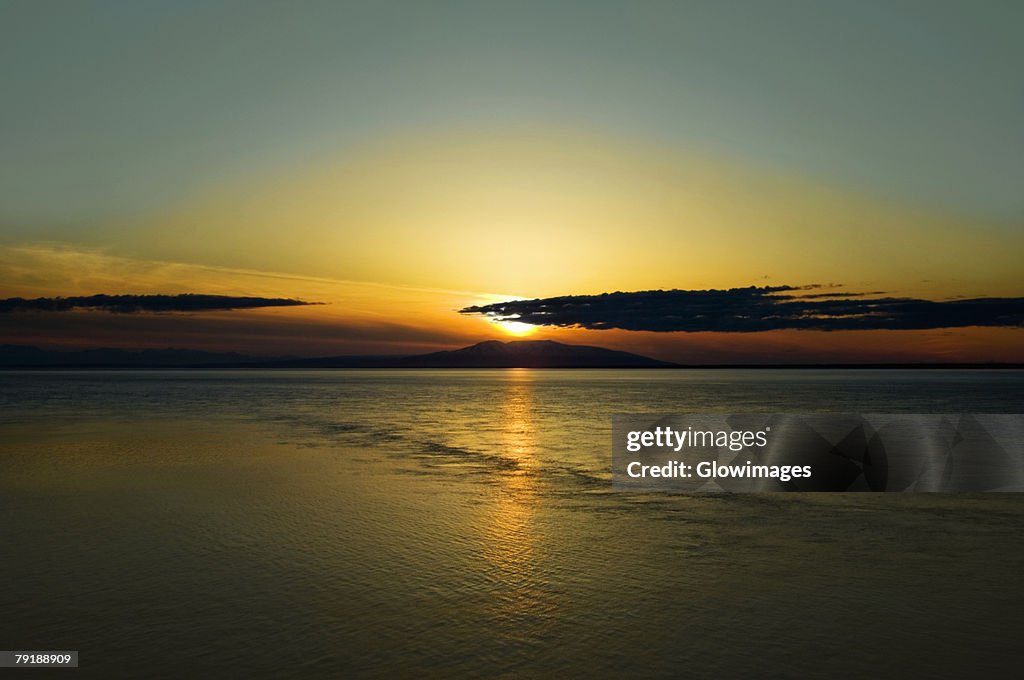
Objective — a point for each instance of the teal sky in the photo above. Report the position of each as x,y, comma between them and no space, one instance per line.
115,109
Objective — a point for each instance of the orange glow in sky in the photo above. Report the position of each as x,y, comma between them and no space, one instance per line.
400,163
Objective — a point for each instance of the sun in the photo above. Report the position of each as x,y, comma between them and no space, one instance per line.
516,328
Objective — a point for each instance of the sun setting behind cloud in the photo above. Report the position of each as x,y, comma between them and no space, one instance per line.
516,328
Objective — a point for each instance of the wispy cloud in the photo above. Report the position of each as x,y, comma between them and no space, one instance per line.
129,304
744,310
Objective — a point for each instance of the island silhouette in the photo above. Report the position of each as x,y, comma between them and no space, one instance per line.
488,354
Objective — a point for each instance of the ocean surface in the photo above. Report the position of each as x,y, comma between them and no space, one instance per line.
459,524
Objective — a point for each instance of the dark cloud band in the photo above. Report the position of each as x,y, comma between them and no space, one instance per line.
746,310
127,304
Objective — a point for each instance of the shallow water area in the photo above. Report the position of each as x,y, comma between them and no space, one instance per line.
462,524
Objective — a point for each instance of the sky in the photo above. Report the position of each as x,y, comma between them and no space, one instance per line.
399,162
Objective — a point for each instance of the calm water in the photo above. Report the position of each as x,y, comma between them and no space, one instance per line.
461,524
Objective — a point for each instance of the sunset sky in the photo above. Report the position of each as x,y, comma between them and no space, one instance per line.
399,162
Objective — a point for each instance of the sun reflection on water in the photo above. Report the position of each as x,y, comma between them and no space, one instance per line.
513,540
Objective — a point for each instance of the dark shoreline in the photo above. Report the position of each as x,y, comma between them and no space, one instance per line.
540,354
380,367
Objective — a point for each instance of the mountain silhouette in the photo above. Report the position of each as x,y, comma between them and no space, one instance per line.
531,354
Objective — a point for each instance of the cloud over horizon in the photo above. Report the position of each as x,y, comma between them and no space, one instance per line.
753,309
132,304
